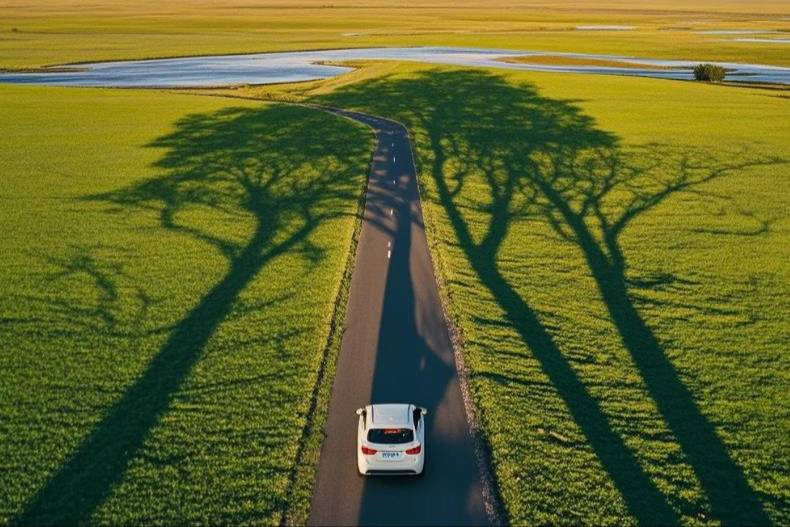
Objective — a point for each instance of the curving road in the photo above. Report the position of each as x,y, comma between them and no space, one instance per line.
396,348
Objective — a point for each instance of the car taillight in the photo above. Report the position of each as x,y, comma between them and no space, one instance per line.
414,451
368,451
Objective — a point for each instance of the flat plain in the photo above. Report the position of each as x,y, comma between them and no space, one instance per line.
170,266
613,251
50,32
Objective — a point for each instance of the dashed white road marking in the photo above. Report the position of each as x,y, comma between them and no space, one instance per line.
393,159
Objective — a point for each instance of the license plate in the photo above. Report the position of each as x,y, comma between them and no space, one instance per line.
390,455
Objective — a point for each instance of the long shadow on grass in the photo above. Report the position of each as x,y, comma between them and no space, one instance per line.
411,365
542,159
274,168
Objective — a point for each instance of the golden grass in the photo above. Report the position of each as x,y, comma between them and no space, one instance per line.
64,31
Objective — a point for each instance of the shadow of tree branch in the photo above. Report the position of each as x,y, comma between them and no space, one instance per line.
499,153
274,168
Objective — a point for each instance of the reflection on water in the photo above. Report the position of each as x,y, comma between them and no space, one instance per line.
270,68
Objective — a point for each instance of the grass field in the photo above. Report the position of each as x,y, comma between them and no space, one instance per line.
49,32
615,253
170,265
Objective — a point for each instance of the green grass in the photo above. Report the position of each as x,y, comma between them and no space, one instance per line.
49,32
615,253
171,262
170,268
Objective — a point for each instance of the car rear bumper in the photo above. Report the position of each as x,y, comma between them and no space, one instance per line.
374,472
409,467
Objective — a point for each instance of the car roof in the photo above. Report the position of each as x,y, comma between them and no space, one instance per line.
390,414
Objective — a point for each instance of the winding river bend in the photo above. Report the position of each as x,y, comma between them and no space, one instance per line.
271,68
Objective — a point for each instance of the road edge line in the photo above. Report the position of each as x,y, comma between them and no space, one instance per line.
492,501
298,515
305,469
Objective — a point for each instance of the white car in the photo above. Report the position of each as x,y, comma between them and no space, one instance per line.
391,439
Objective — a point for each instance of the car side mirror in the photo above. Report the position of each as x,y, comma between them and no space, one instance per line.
423,411
360,411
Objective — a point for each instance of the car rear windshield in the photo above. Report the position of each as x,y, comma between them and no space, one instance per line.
390,436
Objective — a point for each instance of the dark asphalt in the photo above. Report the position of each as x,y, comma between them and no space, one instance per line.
396,349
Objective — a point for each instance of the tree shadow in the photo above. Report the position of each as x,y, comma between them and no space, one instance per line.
499,153
576,186
413,364
277,169
113,291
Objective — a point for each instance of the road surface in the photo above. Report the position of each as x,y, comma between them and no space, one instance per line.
396,349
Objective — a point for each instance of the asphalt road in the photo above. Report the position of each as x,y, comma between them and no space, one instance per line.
396,349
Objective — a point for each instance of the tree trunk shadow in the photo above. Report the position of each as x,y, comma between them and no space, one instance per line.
576,180
531,157
273,165
642,497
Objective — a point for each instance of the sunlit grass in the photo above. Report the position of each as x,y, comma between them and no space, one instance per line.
650,390
106,414
62,31
169,270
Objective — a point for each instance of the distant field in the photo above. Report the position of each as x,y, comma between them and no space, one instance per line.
49,32
615,252
169,265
